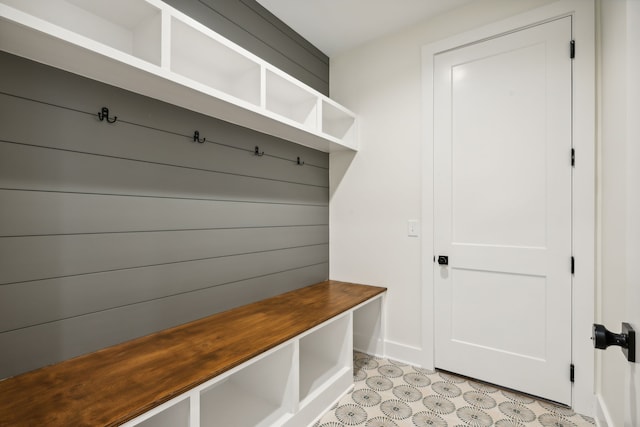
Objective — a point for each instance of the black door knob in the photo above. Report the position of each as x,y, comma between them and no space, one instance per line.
603,338
443,260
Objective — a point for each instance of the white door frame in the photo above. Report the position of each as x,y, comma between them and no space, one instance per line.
584,178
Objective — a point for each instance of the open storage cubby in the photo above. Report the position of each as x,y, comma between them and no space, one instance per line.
324,353
136,32
257,395
338,123
202,58
290,100
174,416
367,328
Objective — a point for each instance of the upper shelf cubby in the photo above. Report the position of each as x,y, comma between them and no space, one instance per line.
136,32
206,60
150,48
287,99
338,123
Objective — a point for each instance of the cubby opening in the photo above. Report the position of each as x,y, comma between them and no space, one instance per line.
367,327
338,123
130,26
208,61
174,416
324,353
260,394
289,100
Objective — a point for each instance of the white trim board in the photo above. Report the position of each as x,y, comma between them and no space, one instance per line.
602,414
584,190
402,352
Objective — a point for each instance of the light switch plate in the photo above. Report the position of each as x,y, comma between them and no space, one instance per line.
413,228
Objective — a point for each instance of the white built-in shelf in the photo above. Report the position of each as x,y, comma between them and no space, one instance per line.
338,122
213,64
287,386
176,415
367,328
291,101
259,395
148,47
282,361
325,353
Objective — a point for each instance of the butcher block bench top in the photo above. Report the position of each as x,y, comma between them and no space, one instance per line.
118,383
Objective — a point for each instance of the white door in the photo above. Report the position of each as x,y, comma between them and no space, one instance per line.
502,188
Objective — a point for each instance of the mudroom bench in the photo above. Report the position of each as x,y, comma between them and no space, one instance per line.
280,361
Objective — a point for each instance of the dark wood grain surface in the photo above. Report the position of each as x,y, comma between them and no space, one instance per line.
118,383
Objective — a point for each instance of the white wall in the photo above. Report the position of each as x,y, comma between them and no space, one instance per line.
612,193
375,192
618,382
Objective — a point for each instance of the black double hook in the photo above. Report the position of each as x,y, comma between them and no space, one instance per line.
257,152
196,137
104,115
299,163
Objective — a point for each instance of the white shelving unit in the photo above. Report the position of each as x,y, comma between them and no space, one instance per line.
176,415
290,385
324,354
214,64
148,47
338,122
367,328
259,395
290,100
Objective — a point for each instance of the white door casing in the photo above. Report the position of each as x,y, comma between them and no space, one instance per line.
632,315
618,380
502,195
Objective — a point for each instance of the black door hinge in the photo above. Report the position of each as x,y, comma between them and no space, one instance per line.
573,157
572,373
573,265
572,49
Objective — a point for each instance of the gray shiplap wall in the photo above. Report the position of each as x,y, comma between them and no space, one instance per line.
250,25
113,231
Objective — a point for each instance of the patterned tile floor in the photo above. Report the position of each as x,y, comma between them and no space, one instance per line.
390,394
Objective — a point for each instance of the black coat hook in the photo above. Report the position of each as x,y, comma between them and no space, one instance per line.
299,163
196,137
104,115
257,152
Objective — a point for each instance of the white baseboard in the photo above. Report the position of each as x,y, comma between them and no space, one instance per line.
403,353
602,415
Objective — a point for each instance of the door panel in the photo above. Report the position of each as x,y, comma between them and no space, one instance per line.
481,96
504,321
502,179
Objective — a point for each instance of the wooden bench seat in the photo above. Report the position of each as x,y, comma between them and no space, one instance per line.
119,383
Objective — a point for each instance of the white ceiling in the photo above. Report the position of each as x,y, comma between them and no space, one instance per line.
335,26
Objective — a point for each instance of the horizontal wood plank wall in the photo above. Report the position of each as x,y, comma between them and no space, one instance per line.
113,231
250,25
